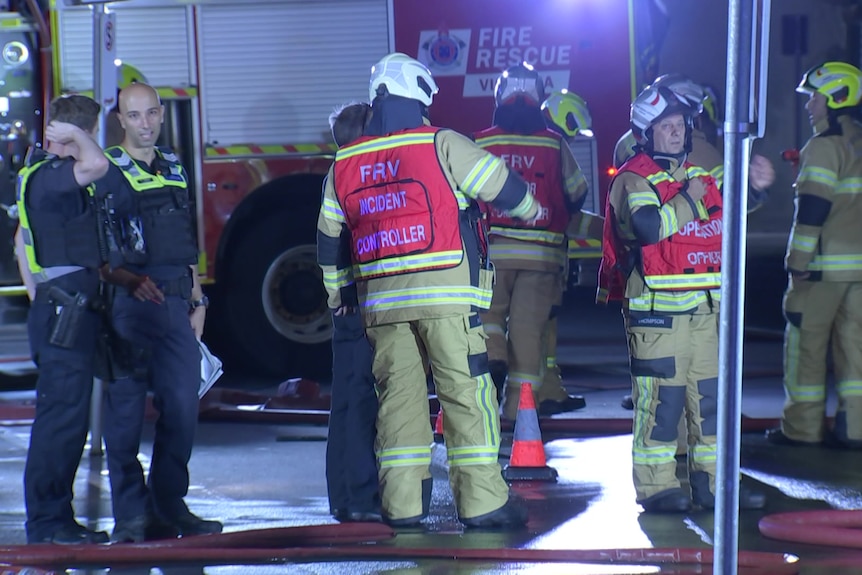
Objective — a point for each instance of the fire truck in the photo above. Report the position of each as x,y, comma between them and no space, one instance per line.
248,87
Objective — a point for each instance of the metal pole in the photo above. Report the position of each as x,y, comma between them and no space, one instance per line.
737,147
99,15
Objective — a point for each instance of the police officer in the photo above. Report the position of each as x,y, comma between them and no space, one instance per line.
58,226
824,261
160,311
351,466
662,258
528,257
567,114
404,191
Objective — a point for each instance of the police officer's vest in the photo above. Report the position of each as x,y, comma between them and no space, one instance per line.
161,206
687,260
56,245
536,157
400,209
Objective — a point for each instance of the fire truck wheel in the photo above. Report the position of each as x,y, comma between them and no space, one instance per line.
275,304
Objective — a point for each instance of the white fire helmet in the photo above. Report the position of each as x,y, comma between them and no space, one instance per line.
654,104
685,87
402,76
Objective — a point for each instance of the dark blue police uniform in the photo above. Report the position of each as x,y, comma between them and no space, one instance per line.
157,240
51,199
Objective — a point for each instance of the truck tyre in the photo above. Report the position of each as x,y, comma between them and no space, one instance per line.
274,301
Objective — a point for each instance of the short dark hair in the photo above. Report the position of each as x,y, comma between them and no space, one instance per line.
75,109
348,122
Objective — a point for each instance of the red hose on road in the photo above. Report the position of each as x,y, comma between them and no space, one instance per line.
168,553
832,528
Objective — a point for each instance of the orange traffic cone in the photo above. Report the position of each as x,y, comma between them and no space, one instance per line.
438,426
527,462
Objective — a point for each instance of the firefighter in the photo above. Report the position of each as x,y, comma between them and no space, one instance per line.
161,313
567,114
704,139
670,292
824,263
61,250
404,191
351,466
703,152
528,257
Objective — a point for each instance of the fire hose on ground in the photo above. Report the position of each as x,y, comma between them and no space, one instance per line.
356,541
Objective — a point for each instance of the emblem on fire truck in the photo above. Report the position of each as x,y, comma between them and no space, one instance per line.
445,51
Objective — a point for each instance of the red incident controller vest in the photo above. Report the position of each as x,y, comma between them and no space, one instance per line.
536,157
687,260
398,205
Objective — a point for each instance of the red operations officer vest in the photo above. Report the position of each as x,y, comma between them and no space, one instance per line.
687,260
400,209
536,157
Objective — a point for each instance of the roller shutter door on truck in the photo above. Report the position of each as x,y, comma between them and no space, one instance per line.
271,73
153,39
586,154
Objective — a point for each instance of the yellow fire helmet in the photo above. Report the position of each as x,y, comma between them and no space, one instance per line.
840,82
567,113
128,74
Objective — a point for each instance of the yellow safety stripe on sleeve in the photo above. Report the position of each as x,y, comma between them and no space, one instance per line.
480,174
486,396
817,175
332,210
404,264
478,455
427,296
841,262
695,172
669,221
337,279
703,453
518,140
803,242
702,212
637,200
672,302
718,173
849,186
463,201
385,143
405,456
575,181
659,178
551,362
684,281
528,235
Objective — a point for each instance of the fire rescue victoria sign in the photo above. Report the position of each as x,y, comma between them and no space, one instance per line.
448,53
